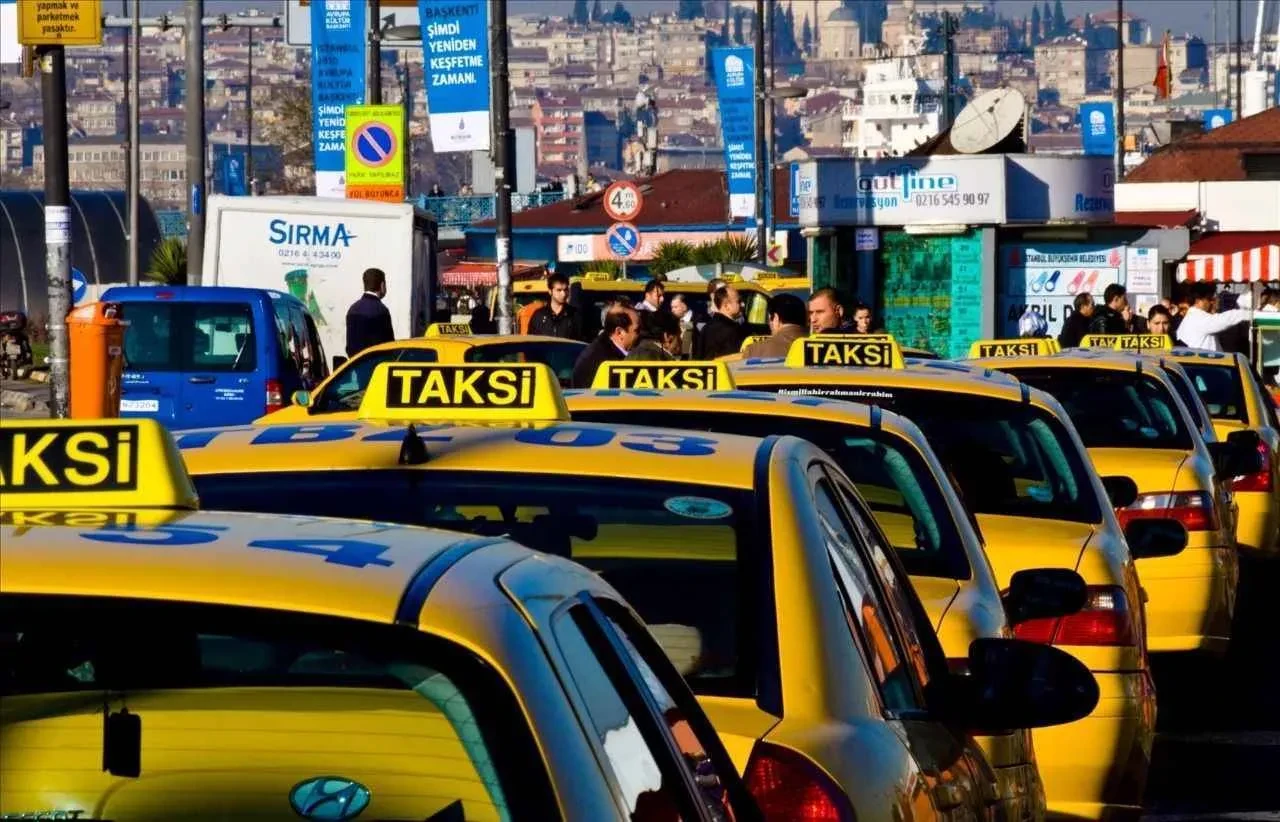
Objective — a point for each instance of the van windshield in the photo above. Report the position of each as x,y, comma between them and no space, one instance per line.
189,336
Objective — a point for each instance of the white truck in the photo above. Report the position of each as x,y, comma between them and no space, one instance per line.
317,249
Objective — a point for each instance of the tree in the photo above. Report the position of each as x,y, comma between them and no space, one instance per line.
620,14
1035,25
168,264
737,27
291,130
1059,19
1046,21
597,12
580,15
806,36
690,10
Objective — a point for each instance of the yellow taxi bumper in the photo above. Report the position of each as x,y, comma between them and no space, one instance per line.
1096,767
1190,599
1258,522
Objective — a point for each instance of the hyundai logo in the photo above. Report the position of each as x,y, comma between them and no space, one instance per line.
329,798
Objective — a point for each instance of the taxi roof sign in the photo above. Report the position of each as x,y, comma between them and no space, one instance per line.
1021,347
690,375
475,392
846,350
77,465
751,340
1143,342
597,276
448,330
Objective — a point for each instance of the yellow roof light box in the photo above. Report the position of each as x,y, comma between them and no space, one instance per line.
1128,342
847,351
448,330
1022,347
77,465
751,340
689,375
479,392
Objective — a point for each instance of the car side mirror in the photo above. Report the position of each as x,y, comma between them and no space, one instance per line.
1238,456
1250,448
1043,593
1156,537
1013,683
302,398
1121,491
338,360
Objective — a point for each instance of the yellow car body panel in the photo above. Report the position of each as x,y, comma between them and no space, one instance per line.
1258,520
1190,596
449,349
1079,762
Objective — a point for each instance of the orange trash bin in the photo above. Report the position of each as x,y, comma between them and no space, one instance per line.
96,337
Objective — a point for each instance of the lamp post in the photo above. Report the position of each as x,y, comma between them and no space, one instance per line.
771,99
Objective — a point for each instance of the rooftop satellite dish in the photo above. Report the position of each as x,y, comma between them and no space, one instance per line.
988,120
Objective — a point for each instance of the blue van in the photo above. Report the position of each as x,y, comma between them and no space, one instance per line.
198,356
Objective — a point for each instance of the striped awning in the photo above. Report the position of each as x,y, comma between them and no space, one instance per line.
1233,257
473,274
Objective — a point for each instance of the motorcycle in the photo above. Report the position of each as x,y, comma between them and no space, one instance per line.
15,348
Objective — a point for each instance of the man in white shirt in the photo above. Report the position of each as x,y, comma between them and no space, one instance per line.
1201,325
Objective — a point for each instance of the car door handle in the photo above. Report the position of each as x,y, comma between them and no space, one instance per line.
200,380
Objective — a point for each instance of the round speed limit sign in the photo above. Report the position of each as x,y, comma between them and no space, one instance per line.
622,201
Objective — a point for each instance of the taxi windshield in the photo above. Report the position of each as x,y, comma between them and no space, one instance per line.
673,550
1115,409
345,388
247,712
892,476
1220,389
1005,457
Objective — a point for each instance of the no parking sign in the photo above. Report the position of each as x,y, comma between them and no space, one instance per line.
375,153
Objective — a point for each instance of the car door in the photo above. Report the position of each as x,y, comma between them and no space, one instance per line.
878,603
151,385
224,381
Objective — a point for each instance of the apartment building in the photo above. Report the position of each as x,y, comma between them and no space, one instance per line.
96,114
558,127
1068,66
529,67
99,163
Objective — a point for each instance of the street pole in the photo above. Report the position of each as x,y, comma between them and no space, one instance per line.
762,147
1119,91
770,146
406,102
248,160
503,159
134,38
195,141
1239,60
948,69
57,223
375,52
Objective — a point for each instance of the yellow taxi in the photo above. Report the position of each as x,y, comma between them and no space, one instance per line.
754,561
1025,476
1128,413
168,663
1242,411
905,487
339,395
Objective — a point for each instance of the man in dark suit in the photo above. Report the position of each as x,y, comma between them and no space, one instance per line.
621,328
368,320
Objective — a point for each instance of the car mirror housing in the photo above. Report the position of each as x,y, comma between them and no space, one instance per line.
1156,537
1013,683
1121,491
302,398
1042,593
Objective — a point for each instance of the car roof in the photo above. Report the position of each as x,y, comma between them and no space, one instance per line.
1201,356
1100,358
468,341
926,377
188,293
225,558
503,448
757,402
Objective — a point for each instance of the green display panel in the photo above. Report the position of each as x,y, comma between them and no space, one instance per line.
931,291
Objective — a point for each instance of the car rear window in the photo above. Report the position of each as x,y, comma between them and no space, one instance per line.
1190,398
897,484
346,389
181,336
1114,409
679,553
275,709
1007,458
1220,389
560,356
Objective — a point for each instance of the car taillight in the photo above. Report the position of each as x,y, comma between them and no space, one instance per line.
1194,509
1260,481
1105,619
787,786
275,396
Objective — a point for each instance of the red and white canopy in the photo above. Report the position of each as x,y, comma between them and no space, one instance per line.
1233,257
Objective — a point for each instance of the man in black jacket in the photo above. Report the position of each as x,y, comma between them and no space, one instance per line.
1076,325
557,318
1109,319
621,328
368,320
723,334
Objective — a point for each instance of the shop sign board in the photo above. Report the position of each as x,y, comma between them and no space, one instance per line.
1049,277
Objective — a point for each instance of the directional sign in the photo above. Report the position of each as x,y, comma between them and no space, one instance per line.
79,285
777,253
66,23
398,19
375,153
623,239
623,201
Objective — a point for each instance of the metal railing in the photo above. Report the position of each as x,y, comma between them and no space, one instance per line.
462,210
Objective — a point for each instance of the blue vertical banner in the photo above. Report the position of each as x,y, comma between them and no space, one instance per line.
1217,118
735,74
1098,128
229,174
455,51
338,39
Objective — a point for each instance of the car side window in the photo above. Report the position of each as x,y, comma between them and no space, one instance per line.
319,365
865,608
646,789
